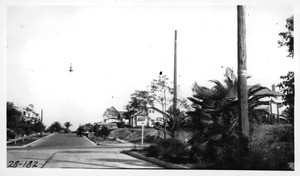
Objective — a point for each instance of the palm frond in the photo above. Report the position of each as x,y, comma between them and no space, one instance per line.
201,92
195,100
255,89
256,98
257,104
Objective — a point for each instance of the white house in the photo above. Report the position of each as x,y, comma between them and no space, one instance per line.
29,114
153,116
274,104
156,115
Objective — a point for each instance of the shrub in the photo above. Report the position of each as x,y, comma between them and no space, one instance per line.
10,134
104,132
217,150
121,124
272,147
153,150
171,150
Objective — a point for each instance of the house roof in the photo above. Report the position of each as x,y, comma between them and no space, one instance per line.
139,113
122,114
160,111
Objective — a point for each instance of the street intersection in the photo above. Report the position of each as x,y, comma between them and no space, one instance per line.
69,151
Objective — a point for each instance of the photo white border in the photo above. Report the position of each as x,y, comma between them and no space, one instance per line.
3,9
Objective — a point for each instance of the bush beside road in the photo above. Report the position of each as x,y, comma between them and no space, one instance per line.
271,148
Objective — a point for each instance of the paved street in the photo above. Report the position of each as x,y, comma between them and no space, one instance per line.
64,140
69,151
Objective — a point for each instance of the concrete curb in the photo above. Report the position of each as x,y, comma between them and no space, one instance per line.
32,143
117,139
154,160
97,143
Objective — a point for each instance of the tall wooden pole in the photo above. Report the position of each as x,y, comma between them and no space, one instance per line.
242,83
175,74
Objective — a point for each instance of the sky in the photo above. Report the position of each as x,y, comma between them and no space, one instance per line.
116,50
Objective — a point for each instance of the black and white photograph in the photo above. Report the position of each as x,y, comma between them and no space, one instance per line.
148,86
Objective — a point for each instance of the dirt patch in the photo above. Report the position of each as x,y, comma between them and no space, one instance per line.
134,135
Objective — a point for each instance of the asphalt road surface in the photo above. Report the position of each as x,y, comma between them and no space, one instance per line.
64,140
69,151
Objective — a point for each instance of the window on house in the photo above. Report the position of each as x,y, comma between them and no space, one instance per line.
141,118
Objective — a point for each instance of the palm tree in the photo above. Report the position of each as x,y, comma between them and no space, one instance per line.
67,125
220,103
215,115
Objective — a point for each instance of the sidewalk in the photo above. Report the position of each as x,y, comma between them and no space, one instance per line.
101,158
93,158
19,138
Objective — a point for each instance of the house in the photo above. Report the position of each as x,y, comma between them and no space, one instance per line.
111,120
111,115
154,115
157,115
29,114
274,105
121,115
112,125
138,119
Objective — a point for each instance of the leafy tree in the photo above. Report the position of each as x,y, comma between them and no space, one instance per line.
140,101
104,132
67,125
13,115
96,129
80,130
163,93
38,126
16,122
287,85
23,128
288,37
90,126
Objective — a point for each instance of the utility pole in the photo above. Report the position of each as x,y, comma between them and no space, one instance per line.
242,84
175,74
